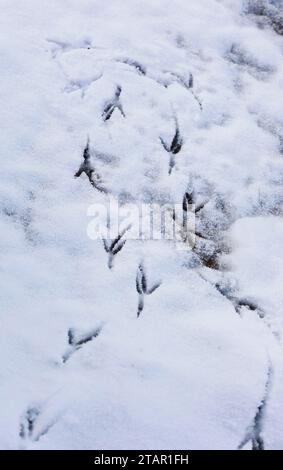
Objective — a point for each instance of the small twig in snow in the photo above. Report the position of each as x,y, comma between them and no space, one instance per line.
174,148
87,168
133,63
112,105
76,340
142,287
115,246
28,422
254,432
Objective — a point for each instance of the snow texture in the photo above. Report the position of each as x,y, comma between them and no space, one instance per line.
144,101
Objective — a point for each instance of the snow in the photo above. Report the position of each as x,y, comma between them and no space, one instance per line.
256,261
193,369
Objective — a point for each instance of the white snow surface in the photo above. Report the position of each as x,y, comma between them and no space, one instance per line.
192,371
